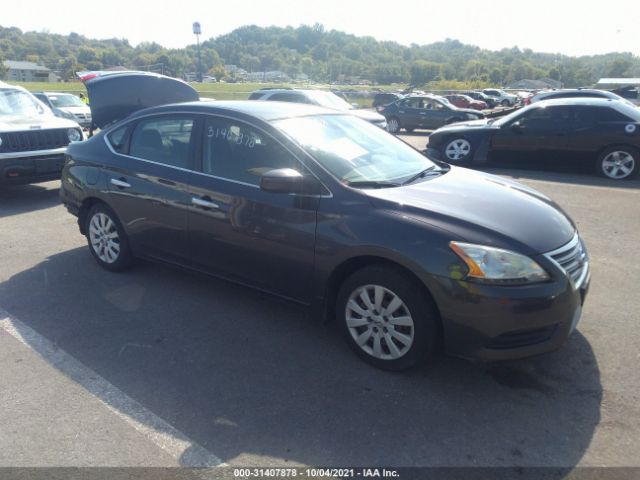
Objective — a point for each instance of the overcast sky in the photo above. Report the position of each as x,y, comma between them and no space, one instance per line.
559,26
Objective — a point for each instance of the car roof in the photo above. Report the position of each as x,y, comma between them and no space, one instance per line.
267,111
589,101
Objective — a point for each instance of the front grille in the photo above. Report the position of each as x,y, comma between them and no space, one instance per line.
33,140
522,338
83,116
572,259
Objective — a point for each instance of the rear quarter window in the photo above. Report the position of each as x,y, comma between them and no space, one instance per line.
118,139
612,115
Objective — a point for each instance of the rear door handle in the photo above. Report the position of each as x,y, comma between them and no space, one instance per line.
204,203
120,183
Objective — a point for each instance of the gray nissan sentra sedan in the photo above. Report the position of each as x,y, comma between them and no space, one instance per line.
408,255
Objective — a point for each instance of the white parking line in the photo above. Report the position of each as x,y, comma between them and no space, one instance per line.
187,452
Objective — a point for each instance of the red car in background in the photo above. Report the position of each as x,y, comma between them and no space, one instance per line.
465,101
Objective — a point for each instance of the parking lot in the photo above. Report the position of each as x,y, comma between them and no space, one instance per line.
160,367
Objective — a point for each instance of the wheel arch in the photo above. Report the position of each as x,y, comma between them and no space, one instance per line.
343,270
85,207
609,146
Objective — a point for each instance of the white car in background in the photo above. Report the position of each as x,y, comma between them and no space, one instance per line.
501,97
66,105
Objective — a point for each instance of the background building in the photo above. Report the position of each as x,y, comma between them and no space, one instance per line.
28,72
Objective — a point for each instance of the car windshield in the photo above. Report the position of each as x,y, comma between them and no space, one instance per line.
510,117
68,100
355,151
14,102
329,100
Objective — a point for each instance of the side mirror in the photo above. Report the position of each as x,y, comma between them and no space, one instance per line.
287,181
517,127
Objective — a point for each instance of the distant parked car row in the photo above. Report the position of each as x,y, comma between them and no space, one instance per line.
424,111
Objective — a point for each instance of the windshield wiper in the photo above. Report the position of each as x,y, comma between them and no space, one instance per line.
427,171
373,184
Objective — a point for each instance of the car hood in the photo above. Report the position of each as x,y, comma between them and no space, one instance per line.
37,122
114,97
466,110
74,110
482,208
368,115
483,122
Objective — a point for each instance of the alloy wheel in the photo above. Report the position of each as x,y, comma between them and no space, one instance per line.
457,149
379,322
104,237
393,125
618,164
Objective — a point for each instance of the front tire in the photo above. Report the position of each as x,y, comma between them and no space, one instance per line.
457,151
387,319
618,163
107,239
505,103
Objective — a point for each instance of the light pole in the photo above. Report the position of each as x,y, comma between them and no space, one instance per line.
197,31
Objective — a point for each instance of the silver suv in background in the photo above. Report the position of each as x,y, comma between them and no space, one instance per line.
33,140
320,98
66,105
501,97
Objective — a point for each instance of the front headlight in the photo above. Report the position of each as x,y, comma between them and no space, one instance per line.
497,265
471,116
74,135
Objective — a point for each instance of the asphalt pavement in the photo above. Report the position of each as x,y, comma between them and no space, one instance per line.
158,366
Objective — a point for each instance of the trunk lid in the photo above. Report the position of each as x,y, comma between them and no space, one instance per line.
116,95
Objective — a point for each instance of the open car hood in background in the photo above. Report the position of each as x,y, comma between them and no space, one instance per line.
115,95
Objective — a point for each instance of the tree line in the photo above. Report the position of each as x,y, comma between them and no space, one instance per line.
322,55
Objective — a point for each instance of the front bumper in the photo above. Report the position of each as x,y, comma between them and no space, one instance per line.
489,322
21,168
433,153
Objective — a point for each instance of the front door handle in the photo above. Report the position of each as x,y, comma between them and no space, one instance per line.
204,203
120,183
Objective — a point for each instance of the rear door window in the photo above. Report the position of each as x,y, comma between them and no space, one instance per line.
547,119
163,140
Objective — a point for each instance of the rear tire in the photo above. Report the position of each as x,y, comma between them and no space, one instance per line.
618,163
387,318
107,239
393,125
